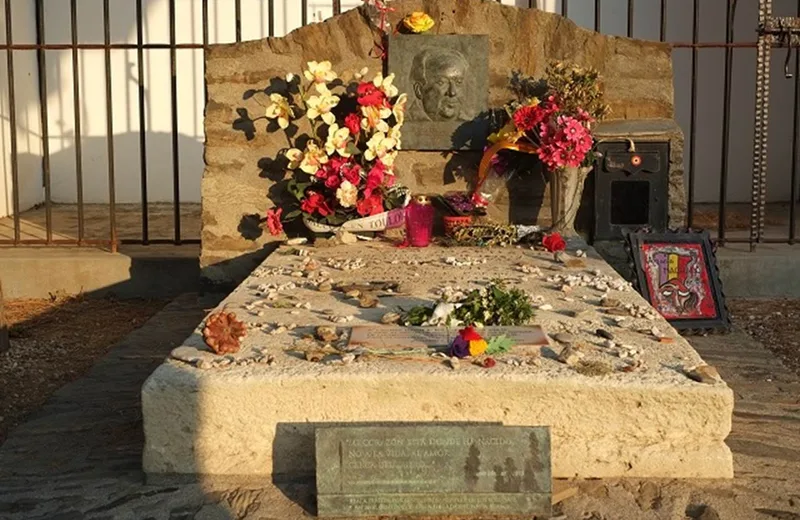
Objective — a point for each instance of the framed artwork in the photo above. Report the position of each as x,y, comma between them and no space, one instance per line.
446,78
677,273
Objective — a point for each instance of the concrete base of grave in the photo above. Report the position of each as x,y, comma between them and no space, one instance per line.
251,422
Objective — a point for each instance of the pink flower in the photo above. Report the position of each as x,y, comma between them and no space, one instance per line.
333,181
573,130
274,221
528,117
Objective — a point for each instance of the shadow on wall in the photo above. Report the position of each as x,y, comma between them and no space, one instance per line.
127,168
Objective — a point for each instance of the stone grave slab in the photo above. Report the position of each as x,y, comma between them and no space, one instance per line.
640,417
433,470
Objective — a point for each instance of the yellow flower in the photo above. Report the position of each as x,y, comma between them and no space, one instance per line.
380,146
394,133
280,110
321,106
418,22
295,157
477,347
338,139
313,159
319,72
507,133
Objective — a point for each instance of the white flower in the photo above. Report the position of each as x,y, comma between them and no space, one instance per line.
321,106
338,139
347,194
380,146
394,133
399,109
280,110
319,72
374,118
385,84
313,159
295,157
290,77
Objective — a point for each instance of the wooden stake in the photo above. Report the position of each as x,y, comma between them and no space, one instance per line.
5,342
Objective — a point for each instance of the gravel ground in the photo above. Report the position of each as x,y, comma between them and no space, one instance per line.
55,341
775,323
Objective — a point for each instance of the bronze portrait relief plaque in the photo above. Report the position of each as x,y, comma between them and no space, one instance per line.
446,78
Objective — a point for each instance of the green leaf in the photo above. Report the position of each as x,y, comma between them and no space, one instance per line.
292,215
499,345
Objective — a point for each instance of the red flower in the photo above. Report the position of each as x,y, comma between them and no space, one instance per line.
274,221
353,123
469,334
375,178
333,181
527,117
554,243
315,202
489,362
352,173
372,205
369,95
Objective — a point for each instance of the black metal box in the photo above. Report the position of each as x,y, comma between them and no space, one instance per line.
631,188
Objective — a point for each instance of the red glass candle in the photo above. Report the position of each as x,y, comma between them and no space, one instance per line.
419,221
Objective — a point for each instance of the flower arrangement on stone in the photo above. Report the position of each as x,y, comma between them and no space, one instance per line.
551,119
490,305
343,168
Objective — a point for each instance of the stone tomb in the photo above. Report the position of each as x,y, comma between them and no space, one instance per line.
253,416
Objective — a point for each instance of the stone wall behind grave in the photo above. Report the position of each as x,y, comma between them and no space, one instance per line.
238,181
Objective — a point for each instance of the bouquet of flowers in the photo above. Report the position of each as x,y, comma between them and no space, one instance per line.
559,123
343,169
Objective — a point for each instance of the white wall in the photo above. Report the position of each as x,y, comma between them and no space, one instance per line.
28,124
255,25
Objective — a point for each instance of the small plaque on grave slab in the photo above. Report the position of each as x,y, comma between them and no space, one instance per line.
433,470
412,338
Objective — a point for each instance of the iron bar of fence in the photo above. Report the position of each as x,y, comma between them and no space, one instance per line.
693,116
565,8
176,180
238,8
41,61
76,100
271,12
795,129
597,15
142,124
112,198
730,13
304,12
663,29
630,19
12,123
337,7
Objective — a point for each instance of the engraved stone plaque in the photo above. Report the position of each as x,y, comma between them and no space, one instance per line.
433,470
400,338
446,78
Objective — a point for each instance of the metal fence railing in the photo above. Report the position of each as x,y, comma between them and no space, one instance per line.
695,47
